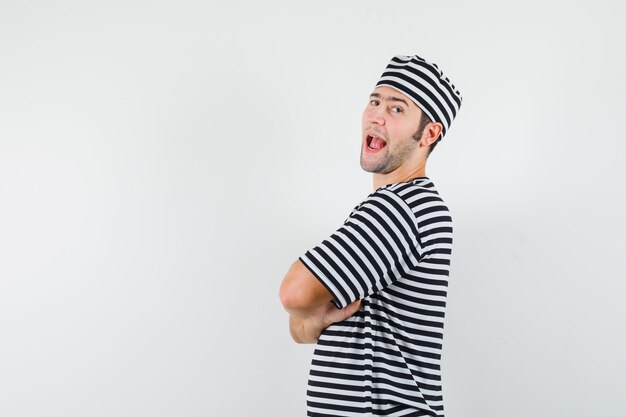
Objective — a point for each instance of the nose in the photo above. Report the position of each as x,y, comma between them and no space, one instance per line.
376,115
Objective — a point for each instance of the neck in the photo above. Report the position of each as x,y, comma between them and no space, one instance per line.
399,175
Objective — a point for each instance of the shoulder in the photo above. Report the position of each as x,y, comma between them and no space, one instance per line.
416,193
383,201
415,202
424,201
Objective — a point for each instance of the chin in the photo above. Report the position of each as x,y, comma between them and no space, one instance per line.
367,168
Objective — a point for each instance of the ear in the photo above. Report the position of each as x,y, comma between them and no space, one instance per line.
430,133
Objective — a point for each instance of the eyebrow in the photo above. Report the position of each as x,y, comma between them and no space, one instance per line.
390,98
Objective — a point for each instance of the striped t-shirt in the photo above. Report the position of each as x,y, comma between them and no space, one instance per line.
393,252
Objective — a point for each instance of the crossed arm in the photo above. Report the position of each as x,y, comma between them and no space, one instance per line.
308,303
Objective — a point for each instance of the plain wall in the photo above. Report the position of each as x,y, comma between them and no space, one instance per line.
163,163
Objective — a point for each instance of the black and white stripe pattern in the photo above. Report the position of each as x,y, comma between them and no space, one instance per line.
426,85
393,252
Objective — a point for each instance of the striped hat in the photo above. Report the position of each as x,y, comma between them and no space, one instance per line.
426,85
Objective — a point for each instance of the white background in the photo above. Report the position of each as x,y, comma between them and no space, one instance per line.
163,163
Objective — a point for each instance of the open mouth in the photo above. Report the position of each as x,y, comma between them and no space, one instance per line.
374,143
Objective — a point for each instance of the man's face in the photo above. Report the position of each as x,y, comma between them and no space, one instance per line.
394,118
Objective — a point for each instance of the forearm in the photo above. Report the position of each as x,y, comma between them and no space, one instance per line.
307,324
303,330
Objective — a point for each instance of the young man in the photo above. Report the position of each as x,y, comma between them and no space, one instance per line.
373,295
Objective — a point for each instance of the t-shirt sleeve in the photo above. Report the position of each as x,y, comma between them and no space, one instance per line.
376,245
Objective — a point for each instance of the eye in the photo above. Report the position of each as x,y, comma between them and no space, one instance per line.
400,110
374,102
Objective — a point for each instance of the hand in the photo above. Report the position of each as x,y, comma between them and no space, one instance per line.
327,314
309,329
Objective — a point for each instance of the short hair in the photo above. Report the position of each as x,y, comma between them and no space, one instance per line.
424,120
